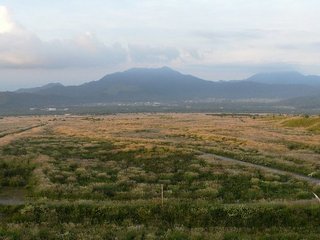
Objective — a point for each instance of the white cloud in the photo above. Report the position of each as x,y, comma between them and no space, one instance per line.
6,24
153,54
20,48
227,35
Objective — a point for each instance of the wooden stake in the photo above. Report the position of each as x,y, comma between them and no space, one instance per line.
317,197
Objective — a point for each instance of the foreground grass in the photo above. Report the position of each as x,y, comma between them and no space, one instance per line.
101,178
173,220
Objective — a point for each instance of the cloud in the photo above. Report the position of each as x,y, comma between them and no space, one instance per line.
20,48
7,25
256,67
220,33
217,36
309,47
82,51
237,70
153,54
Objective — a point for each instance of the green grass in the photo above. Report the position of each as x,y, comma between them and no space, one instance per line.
310,123
81,168
15,172
174,220
86,188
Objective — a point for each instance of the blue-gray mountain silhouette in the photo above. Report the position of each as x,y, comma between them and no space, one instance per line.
285,78
164,85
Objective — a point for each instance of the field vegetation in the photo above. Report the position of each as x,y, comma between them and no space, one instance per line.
101,177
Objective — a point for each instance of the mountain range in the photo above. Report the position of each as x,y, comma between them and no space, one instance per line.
166,85
289,78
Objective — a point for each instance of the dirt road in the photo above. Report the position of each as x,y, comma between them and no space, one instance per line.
4,140
211,157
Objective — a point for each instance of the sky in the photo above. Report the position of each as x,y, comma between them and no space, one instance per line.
77,41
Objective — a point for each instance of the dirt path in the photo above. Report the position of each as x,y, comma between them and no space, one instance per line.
19,134
12,196
210,157
16,196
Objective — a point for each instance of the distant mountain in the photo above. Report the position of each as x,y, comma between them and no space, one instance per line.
159,85
165,84
39,89
26,100
136,85
287,78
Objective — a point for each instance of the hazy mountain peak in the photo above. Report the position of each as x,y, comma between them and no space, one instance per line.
166,68
163,69
37,89
163,85
285,77
278,74
49,85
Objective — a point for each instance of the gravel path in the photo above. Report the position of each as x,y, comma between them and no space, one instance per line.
6,139
210,157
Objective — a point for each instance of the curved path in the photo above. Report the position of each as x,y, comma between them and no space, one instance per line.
210,157
9,137
15,197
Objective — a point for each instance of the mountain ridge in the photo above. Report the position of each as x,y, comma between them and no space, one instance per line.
278,78
37,89
158,85
285,77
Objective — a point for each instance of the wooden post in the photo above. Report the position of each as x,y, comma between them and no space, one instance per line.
317,197
162,194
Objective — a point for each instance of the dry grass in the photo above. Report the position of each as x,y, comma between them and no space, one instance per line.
264,134
89,171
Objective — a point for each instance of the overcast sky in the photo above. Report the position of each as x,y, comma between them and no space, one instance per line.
76,41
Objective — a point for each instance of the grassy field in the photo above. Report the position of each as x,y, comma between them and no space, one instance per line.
101,177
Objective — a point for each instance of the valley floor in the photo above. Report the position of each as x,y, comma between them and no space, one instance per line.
101,177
